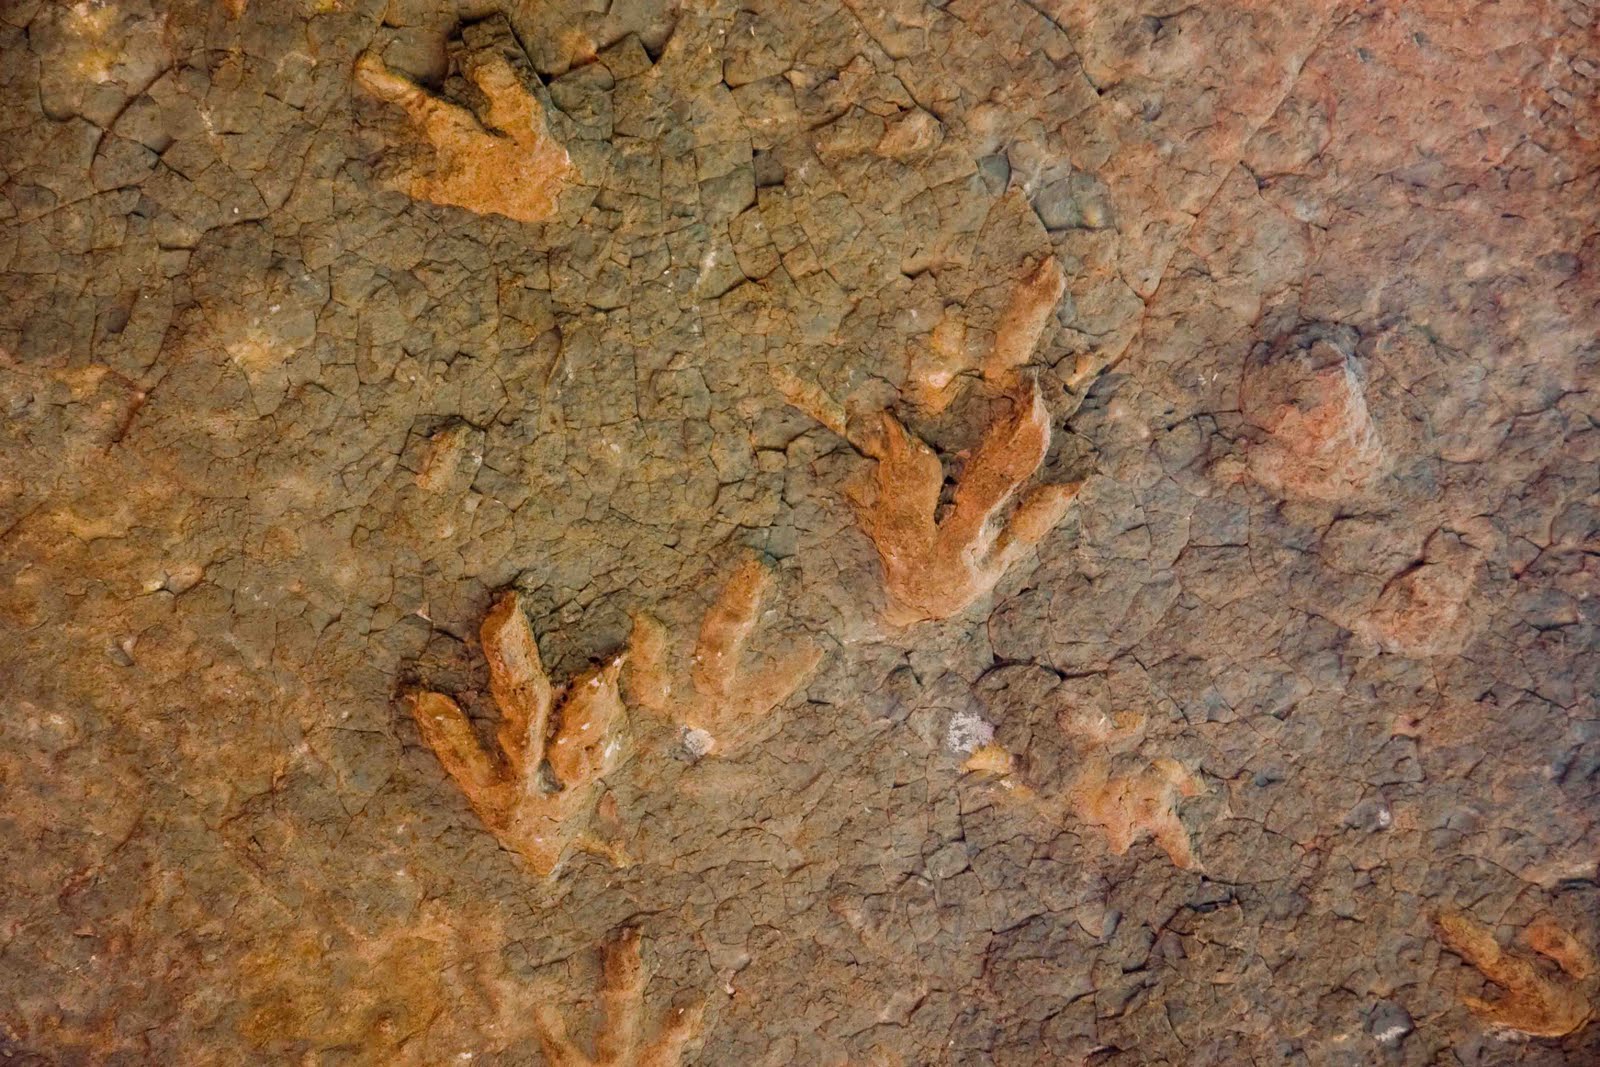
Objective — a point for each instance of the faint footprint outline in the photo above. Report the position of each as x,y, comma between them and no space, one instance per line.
728,700
621,1041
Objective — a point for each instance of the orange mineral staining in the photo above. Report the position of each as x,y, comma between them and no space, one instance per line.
1126,807
932,373
1318,438
408,992
622,1041
935,566
1025,318
1130,807
1424,610
938,560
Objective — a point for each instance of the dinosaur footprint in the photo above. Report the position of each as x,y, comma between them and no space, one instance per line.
1535,1002
726,698
936,566
570,731
506,164
938,561
621,1041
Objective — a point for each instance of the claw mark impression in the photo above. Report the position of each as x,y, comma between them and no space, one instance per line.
621,1041
570,730
933,373
937,564
1535,1002
506,164
729,698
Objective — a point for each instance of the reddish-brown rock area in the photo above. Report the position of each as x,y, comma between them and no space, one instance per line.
747,533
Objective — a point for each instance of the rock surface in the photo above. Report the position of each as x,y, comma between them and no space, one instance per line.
1265,750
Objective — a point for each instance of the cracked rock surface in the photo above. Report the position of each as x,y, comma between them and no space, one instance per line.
328,325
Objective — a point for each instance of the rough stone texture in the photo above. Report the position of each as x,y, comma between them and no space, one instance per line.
277,433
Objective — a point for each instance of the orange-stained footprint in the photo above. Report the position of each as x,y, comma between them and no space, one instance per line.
729,692
1536,1000
503,162
622,1040
574,730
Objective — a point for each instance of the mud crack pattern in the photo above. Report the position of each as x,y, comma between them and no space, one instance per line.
1279,744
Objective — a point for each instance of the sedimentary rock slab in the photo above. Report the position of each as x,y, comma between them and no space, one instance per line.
324,325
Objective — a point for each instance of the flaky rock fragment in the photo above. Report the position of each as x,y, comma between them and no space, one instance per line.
622,1041
506,164
1535,1001
989,759
934,565
571,730
726,699
1318,439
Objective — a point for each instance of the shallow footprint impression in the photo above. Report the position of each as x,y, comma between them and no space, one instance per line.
623,1038
729,692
